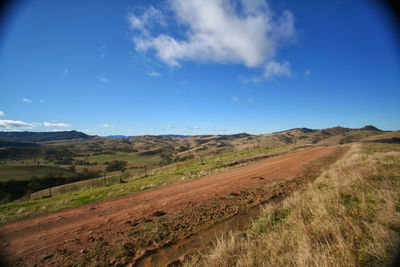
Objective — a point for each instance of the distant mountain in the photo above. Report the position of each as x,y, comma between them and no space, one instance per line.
370,128
42,136
116,136
173,135
17,144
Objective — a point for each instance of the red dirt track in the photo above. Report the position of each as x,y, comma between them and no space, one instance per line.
29,241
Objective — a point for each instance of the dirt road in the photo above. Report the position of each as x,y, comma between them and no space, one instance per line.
63,237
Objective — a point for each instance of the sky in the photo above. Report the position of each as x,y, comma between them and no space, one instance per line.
197,67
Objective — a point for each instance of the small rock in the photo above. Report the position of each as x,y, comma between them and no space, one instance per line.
159,213
5,244
176,262
90,232
83,251
59,218
45,257
20,211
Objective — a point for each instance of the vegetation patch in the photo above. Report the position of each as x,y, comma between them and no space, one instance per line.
173,173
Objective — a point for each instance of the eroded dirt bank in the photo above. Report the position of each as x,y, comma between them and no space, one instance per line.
124,229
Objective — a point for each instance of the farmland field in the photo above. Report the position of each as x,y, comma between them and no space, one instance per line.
25,172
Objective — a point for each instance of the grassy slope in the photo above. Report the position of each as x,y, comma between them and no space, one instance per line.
158,177
25,172
349,216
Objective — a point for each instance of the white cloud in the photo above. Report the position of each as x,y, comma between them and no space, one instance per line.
235,98
41,101
26,100
250,100
106,125
154,74
1,113
307,73
66,71
60,124
102,78
194,127
8,124
60,130
219,31
276,69
171,127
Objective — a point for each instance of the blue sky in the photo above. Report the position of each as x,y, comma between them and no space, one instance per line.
197,67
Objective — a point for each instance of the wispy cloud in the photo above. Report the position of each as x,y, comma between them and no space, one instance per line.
102,49
60,130
147,20
60,124
194,127
235,99
1,113
102,78
170,126
107,125
250,100
9,124
26,100
307,73
41,101
66,71
154,74
239,32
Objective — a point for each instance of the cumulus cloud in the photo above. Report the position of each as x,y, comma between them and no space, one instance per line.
1,113
102,78
60,124
9,124
276,69
26,100
231,31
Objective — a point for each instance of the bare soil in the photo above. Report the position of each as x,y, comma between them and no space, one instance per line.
125,229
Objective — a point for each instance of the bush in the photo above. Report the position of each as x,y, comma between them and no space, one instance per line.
116,165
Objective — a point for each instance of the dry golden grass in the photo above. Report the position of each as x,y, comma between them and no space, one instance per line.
348,216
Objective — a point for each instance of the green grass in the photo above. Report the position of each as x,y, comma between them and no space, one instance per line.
25,172
159,177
